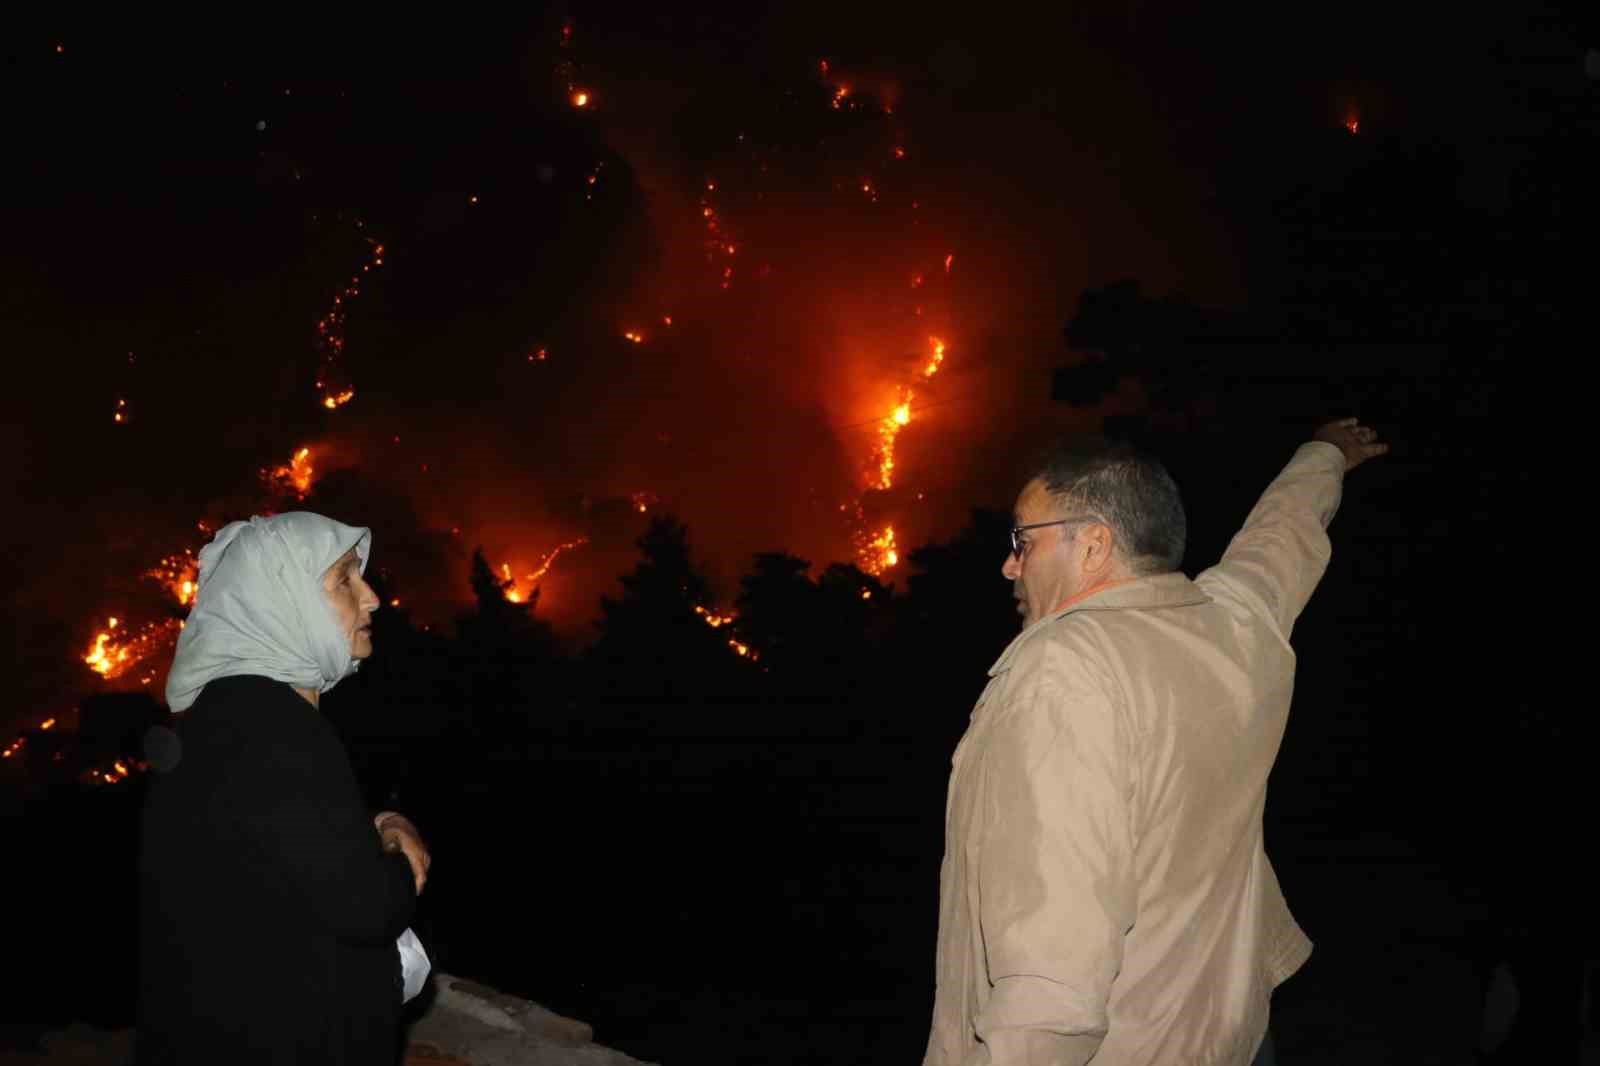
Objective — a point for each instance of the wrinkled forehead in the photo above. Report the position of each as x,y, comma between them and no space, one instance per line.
351,562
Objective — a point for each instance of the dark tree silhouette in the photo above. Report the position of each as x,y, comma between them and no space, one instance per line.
656,645
507,658
779,614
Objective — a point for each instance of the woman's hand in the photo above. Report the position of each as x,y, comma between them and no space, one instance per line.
398,834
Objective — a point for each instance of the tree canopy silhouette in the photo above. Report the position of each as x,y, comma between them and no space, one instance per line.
656,642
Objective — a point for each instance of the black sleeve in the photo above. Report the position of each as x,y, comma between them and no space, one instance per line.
304,813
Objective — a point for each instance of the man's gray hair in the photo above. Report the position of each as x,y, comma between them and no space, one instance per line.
1127,490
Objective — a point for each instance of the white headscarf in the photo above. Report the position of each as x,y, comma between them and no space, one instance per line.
259,607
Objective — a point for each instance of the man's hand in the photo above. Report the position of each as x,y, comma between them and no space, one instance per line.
398,834
1359,443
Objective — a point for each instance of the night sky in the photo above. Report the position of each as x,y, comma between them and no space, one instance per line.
186,200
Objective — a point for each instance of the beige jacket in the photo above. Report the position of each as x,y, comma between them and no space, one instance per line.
1105,895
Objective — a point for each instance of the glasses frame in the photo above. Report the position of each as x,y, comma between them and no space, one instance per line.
1018,545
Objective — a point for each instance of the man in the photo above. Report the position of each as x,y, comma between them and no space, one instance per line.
1105,895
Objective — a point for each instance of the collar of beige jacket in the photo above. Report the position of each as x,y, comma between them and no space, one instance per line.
1143,593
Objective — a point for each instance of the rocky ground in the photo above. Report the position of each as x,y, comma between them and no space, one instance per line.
463,1024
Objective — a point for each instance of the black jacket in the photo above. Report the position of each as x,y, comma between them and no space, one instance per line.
268,907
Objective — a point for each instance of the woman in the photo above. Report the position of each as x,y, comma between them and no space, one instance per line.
271,899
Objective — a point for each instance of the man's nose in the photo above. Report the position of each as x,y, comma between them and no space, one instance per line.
1011,567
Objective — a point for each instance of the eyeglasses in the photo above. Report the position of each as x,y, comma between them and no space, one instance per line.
1017,543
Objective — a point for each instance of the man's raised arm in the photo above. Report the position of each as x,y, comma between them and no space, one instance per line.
1281,552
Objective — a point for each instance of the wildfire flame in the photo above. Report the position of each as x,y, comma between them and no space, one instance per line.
119,771
898,418
878,553
514,593
550,557
580,98
713,619
717,621
120,647
177,574
889,428
294,477
114,653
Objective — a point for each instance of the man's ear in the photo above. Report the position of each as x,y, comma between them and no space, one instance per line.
1098,542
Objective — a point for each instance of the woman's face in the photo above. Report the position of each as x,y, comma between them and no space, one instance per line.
353,602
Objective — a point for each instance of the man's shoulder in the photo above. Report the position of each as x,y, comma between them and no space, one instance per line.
1072,648
1061,679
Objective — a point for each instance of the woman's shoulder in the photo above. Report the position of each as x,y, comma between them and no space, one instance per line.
255,705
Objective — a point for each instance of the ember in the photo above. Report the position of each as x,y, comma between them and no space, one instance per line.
331,383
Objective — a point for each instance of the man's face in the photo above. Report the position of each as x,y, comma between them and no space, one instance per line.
353,602
1045,573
